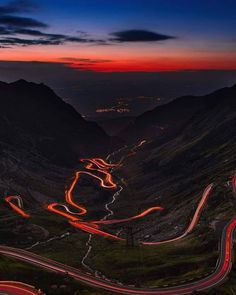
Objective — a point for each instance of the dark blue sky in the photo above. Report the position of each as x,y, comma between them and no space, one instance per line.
140,35
80,45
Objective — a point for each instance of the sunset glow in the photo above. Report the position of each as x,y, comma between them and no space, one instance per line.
118,43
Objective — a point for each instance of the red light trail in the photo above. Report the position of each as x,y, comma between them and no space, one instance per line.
222,269
106,181
101,166
18,288
194,220
16,208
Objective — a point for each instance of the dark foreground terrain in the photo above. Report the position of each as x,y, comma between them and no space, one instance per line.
190,143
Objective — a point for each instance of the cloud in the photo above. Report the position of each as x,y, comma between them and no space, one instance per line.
46,39
23,31
4,31
87,64
27,42
138,36
20,26
18,6
18,21
61,38
14,37
84,60
31,32
16,30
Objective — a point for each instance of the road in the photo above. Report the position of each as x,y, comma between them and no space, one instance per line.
220,273
194,220
106,181
19,208
101,167
100,171
17,288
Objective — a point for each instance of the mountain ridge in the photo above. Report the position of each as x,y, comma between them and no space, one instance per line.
42,119
169,118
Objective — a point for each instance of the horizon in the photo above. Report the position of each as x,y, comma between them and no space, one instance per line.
99,55
103,36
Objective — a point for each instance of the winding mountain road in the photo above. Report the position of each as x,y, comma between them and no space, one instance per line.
19,207
93,227
220,273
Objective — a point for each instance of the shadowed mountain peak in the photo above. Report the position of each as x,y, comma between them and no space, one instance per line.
32,116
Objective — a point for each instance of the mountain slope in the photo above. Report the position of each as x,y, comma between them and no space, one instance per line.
32,116
173,171
167,120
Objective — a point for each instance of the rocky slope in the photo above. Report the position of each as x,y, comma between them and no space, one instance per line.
167,120
173,169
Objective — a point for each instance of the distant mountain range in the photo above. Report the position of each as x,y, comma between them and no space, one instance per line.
171,118
32,116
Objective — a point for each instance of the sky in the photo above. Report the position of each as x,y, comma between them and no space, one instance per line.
124,35
90,38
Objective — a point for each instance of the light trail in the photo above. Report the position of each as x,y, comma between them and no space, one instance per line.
100,163
67,209
194,220
133,151
52,207
92,227
19,201
89,227
143,214
221,271
16,208
108,183
18,288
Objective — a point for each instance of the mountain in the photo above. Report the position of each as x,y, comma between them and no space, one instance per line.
173,170
167,120
33,117
114,125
